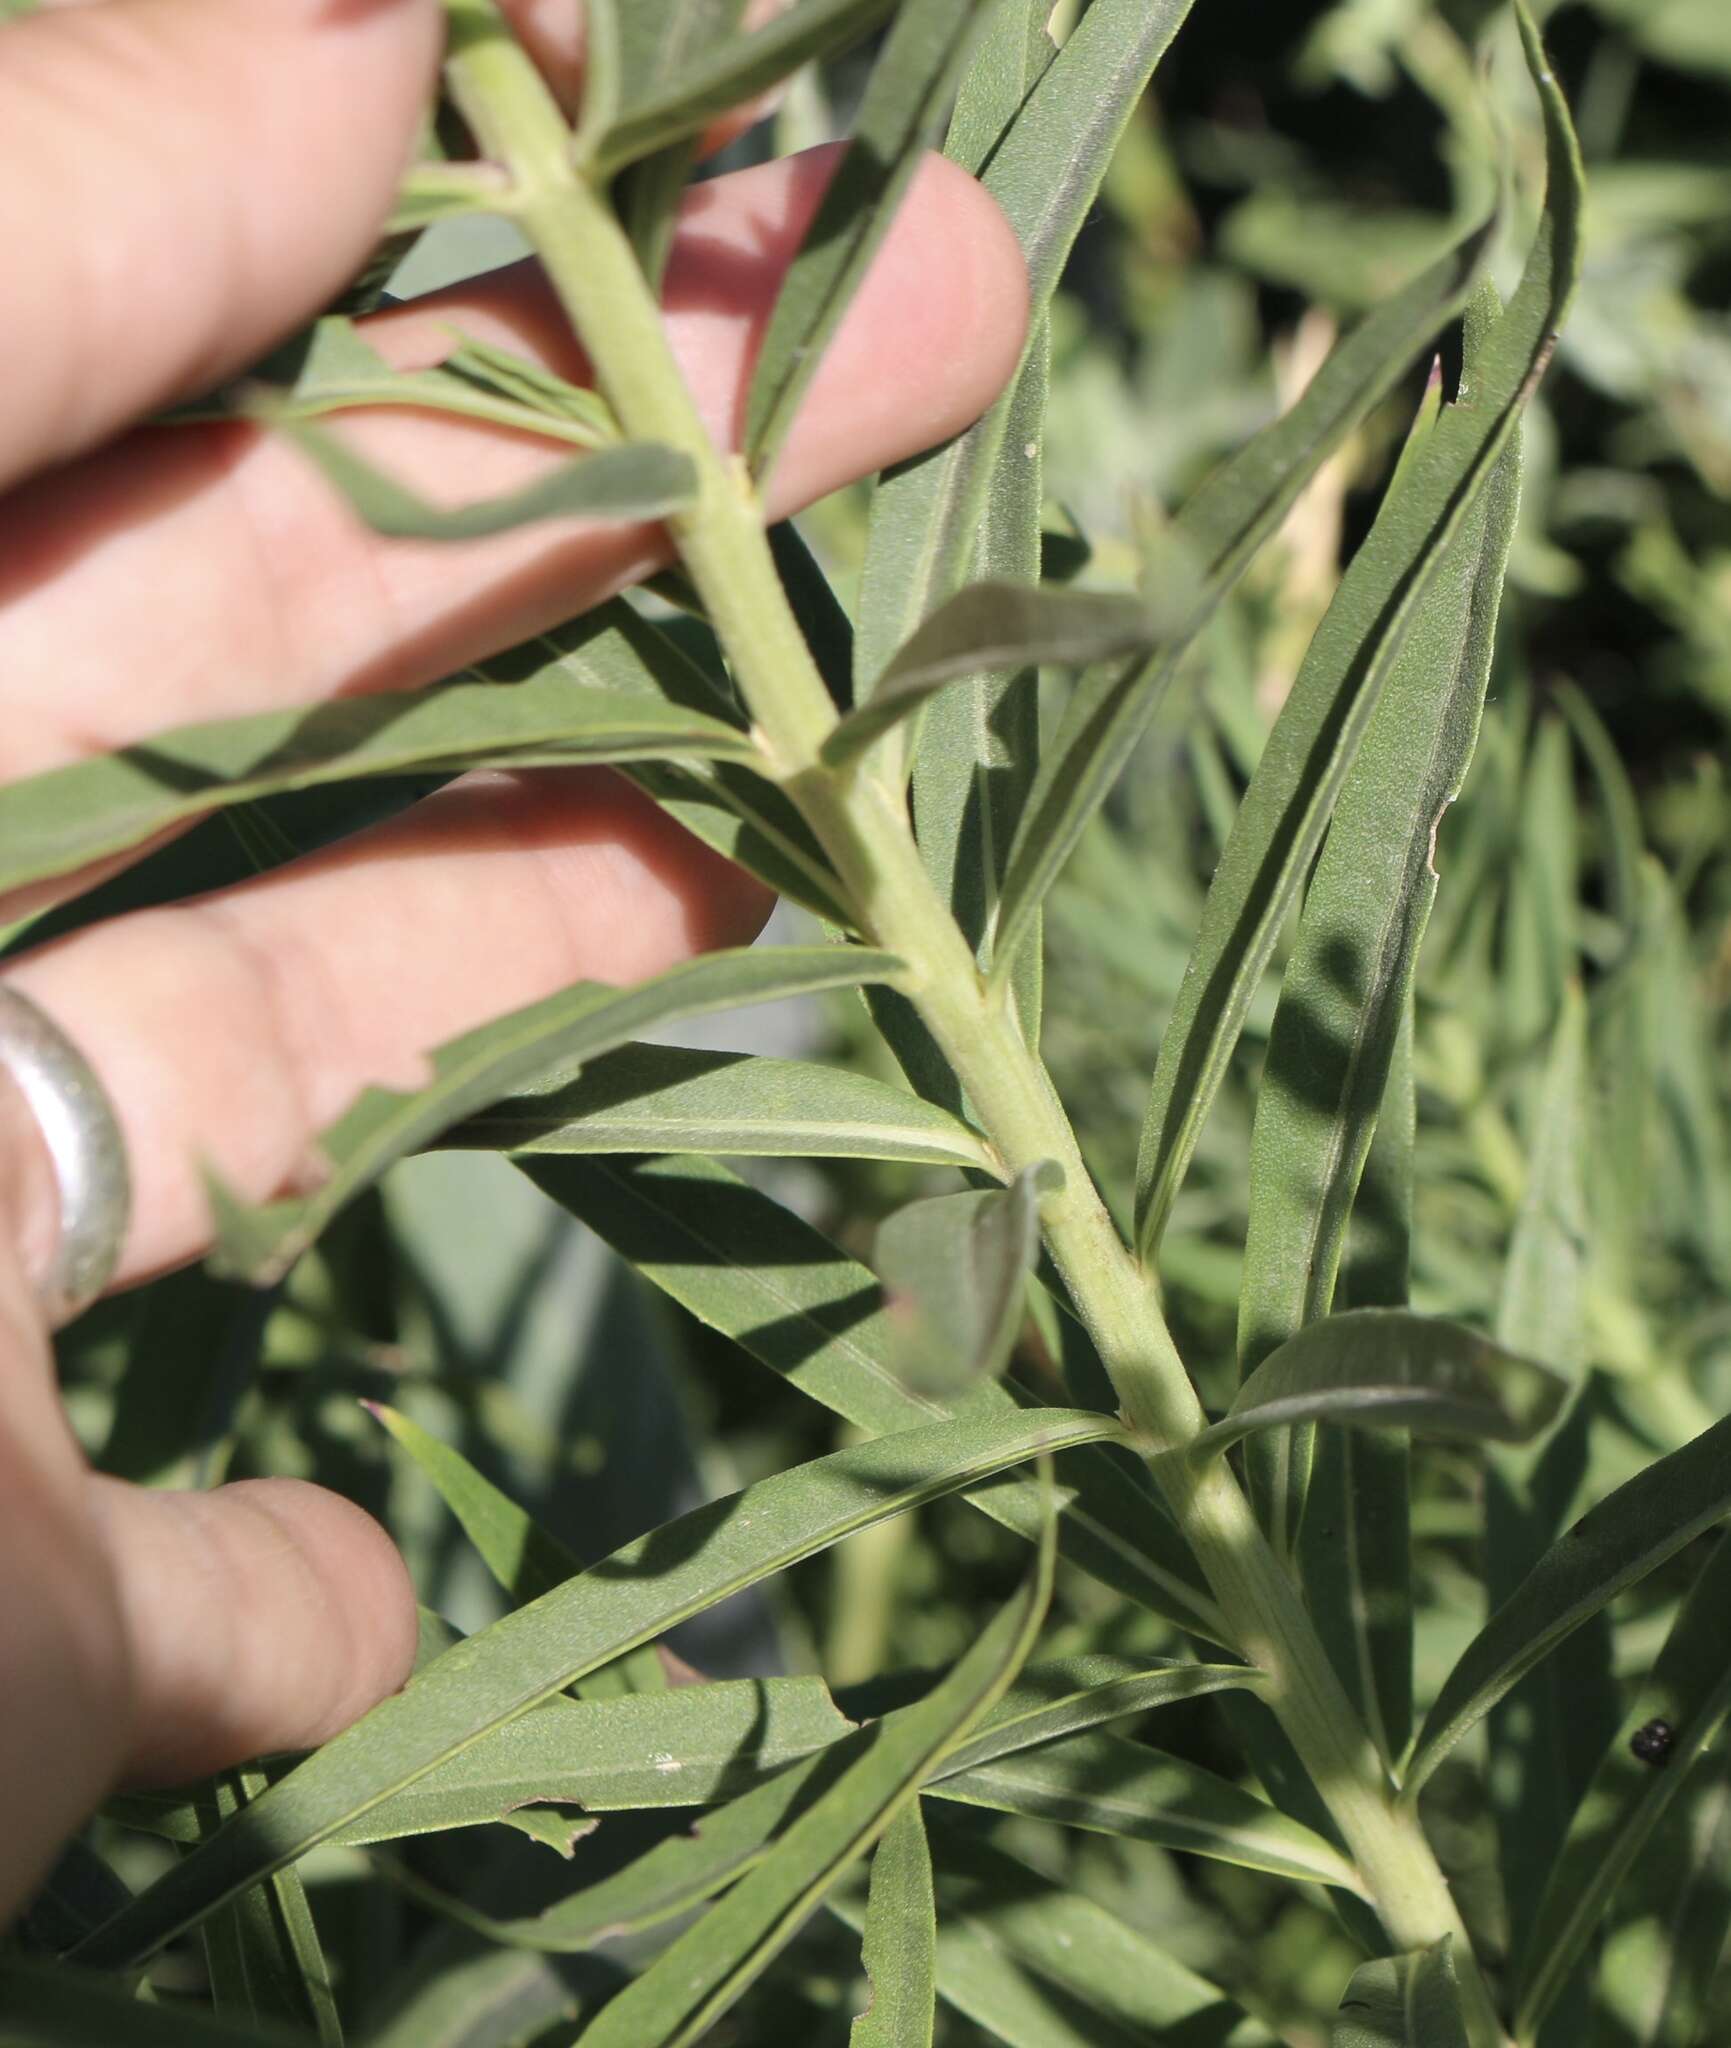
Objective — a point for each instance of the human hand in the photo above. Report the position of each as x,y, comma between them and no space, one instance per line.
181,182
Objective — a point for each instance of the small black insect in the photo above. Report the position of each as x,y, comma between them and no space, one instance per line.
1652,1741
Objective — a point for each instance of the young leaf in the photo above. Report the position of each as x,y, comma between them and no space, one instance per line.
1040,1965
696,1979
992,625
909,89
662,1098
1382,596
725,71
900,1948
1410,2001
1382,1368
956,1270
340,371
548,1040
1689,1691
1111,1786
626,1599
1346,986
640,480
748,1267
1614,1545
61,821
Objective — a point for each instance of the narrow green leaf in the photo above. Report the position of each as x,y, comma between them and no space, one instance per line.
1346,986
901,1941
1110,1786
641,480
1355,1543
1383,595
1689,1690
58,822
657,1098
1038,1965
692,1982
822,618
725,71
1050,1702
609,1754
436,191
1385,1368
1613,1546
1542,1309
746,1266
626,1599
1410,2001
266,1965
689,1745
1544,1736
986,626
1541,945
956,1270
340,371
905,98
548,1040
525,1558
1044,171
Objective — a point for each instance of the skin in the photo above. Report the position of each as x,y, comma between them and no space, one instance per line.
181,183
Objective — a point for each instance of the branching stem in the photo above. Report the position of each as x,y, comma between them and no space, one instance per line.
865,830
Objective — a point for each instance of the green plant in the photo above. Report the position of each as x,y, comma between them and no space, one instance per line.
1268,1543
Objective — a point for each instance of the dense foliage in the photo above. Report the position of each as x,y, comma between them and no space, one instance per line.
926,1625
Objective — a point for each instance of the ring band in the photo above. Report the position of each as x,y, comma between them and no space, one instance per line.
82,1136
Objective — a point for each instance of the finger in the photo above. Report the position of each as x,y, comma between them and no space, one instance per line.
236,582
181,181
251,1019
264,1616
64,1673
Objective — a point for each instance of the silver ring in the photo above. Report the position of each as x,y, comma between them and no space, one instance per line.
82,1135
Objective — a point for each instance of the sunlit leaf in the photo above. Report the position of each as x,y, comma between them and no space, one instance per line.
991,626
1347,984
750,1268
905,98
547,1042
1381,1368
692,1982
629,1598
1381,598
900,1949
658,1098
631,482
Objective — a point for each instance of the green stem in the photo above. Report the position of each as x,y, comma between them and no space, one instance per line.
864,828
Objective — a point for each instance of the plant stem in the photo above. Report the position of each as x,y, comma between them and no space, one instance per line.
865,830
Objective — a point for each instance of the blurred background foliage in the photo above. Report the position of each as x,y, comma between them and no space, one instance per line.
1572,1017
